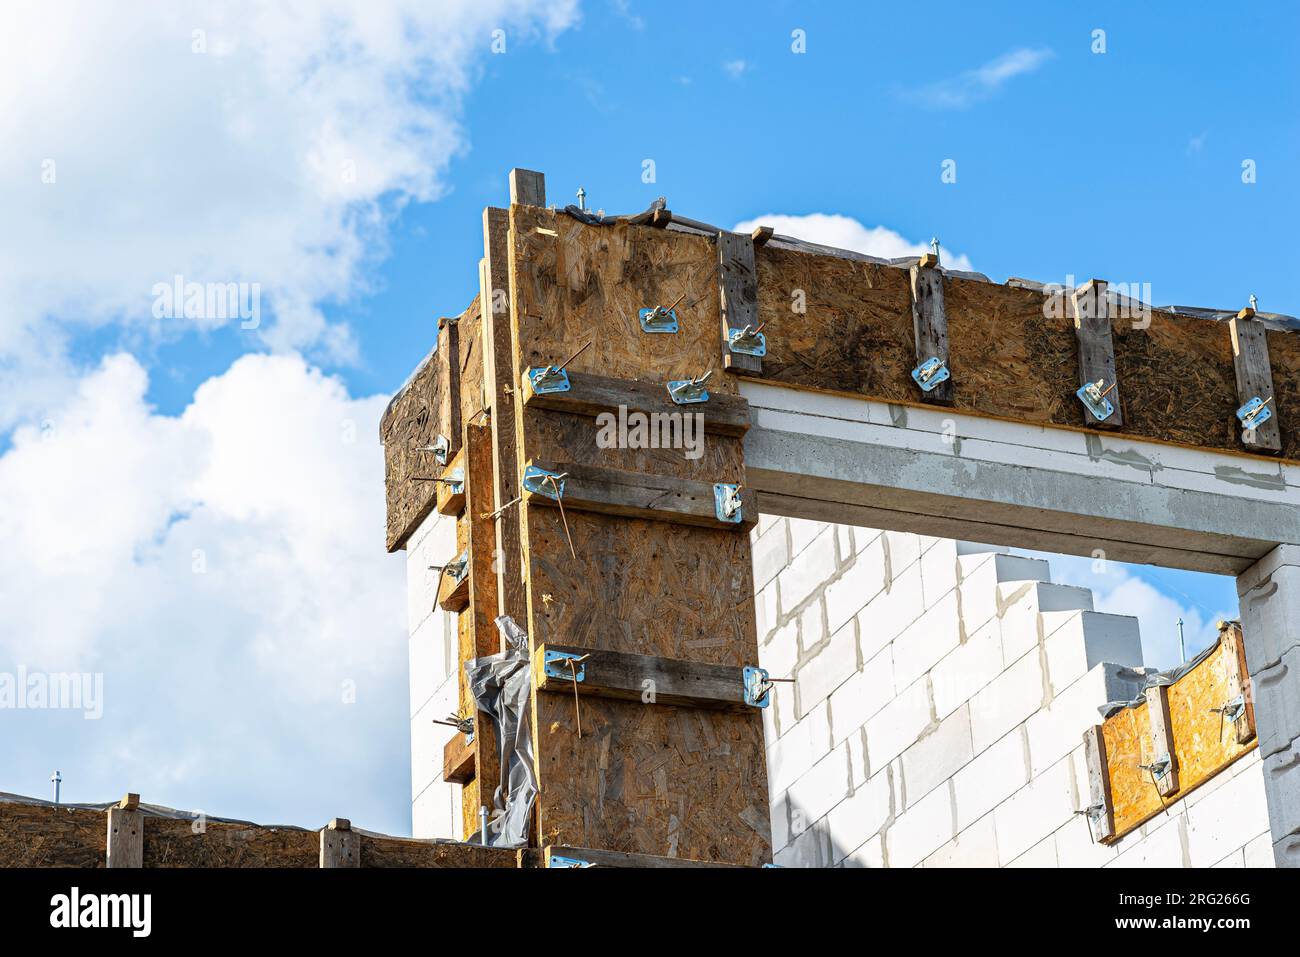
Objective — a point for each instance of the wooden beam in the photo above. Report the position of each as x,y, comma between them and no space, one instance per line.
761,235
594,857
930,324
451,498
1100,810
1096,349
125,845
1162,739
484,638
458,759
738,289
339,844
591,395
646,678
1250,363
527,187
453,595
1238,679
591,488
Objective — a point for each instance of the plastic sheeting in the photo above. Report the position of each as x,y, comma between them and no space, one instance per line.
501,685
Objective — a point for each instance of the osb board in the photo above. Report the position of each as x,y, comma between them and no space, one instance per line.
1202,747
653,779
470,340
1009,359
573,283
42,835
418,413
396,852
172,842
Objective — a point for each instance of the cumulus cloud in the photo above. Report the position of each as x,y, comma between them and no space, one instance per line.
982,83
845,232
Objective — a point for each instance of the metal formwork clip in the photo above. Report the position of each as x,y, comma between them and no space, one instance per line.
541,482
757,687
689,391
727,503
455,482
1095,401
747,341
440,448
930,373
563,664
1255,413
556,860
457,568
1159,767
1230,712
659,318
547,380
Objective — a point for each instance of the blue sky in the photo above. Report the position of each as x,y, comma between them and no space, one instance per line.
131,445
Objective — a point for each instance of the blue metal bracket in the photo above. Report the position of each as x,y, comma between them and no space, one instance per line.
554,666
556,860
548,380
726,503
757,688
658,319
455,482
747,341
689,391
1254,413
1095,401
457,570
930,373
539,482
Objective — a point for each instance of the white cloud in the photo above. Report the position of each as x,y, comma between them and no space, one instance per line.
845,232
972,86
224,570
277,156
735,68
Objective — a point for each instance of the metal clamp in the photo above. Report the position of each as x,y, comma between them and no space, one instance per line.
689,391
541,482
441,449
1095,401
455,482
747,341
557,861
727,503
1255,413
1159,767
554,666
930,373
547,380
458,568
658,319
757,687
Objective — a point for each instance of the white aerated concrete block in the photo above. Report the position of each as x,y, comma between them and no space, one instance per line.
861,696
938,572
808,571
766,613
822,787
771,554
854,820
1227,819
975,846
1023,601
1056,730
980,577
433,544
870,854
812,848
1277,703
436,812
1161,848
967,669
1041,855
890,612
1078,641
904,550
921,646
938,755
895,726
859,584
427,658
829,668
1007,701
1281,776
781,652
1259,852
1076,847
804,532
1270,606
798,749
990,778
925,827
1034,812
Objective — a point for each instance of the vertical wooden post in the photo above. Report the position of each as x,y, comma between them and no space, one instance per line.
738,289
1162,738
527,187
125,833
930,322
1238,679
1096,348
1254,379
339,844
1100,810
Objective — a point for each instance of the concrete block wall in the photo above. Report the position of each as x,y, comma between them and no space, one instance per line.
432,650
941,693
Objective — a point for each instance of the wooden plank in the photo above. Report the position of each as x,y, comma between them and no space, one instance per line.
458,762
451,498
125,844
1101,811
648,679
930,324
738,297
1162,739
339,845
591,394
639,495
596,857
527,187
1238,679
1254,375
453,595
499,376
1096,349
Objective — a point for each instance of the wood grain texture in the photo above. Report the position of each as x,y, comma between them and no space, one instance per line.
173,843
1203,744
1254,376
42,835
400,852
649,679
737,296
1162,739
930,324
1101,812
125,837
1092,331
427,406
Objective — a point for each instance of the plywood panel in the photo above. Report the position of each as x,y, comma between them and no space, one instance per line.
173,843
41,835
